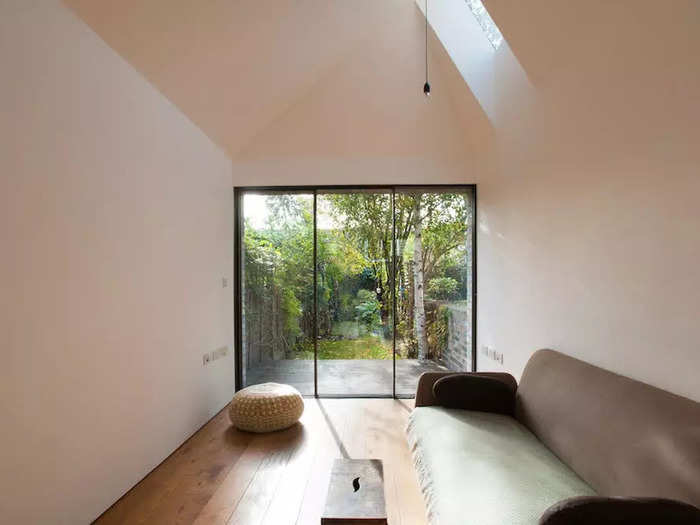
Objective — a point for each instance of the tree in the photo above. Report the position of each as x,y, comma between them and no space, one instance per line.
368,222
430,224
367,232
418,275
446,224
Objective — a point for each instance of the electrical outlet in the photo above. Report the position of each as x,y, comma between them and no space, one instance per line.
224,282
492,354
219,353
206,359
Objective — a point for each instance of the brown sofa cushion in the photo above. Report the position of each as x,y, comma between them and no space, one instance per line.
424,391
600,510
623,437
474,392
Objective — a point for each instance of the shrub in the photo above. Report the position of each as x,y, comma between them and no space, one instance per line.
368,311
442,288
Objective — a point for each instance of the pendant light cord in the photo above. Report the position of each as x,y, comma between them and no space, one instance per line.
426,41
426,86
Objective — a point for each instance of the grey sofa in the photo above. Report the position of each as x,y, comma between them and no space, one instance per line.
575,431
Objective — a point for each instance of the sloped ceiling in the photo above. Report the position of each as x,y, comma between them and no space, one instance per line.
608,76
548,36
340,77
252,73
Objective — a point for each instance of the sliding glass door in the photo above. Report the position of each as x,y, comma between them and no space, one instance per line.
353,291
354,283
276,269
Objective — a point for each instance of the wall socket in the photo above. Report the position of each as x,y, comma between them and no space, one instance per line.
214,355
219,353
491,353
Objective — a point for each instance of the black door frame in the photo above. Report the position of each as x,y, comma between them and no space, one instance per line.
239,191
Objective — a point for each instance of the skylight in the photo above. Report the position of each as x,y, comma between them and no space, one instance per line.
486,22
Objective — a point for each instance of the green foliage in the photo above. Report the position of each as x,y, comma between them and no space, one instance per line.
454,265
444,288
354,258
278,266
365,232
368,278
292,312
368,311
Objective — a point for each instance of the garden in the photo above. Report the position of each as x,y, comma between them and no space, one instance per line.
360,300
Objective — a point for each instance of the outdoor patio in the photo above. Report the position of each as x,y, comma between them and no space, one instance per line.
371,377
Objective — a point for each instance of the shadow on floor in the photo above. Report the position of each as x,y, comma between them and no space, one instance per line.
334,432
407,405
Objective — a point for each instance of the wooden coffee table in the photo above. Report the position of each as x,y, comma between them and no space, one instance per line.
355,493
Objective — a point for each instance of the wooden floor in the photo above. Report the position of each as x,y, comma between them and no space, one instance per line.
221,475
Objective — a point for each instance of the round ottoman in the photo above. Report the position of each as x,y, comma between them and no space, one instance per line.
266,407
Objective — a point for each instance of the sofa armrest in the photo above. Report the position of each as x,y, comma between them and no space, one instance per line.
616,511
424,391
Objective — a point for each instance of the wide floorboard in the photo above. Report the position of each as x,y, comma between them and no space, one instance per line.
223,476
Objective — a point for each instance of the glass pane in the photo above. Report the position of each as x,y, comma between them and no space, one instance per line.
434,231
354,293
277,289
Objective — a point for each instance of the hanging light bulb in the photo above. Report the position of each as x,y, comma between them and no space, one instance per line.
426,86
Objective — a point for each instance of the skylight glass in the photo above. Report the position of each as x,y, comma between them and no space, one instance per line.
486,22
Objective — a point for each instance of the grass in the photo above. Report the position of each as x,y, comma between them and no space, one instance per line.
348,329
365,347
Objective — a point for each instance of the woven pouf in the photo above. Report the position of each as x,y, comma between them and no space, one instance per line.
266,407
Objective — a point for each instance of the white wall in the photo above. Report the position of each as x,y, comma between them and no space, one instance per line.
589,234
116,230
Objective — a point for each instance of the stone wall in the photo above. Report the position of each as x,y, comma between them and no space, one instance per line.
458,353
